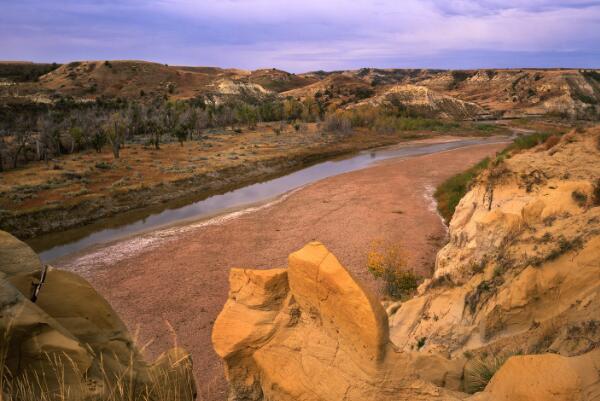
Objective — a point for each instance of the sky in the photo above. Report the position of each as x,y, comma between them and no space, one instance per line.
306,35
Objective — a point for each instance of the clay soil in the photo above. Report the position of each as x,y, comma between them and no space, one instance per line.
184,281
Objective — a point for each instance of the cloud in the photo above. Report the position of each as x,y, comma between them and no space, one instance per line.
310,34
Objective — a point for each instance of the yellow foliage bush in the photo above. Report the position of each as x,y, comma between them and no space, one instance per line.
389,263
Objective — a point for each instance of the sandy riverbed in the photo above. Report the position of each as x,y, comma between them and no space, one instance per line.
183,280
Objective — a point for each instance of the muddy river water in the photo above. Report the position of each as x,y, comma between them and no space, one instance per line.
58,245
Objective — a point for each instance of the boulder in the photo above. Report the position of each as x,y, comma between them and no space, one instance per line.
546,377
69,340
312,332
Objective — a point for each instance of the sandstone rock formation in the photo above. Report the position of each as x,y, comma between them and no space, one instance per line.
523,259
546,377
311,332
69,344
518,284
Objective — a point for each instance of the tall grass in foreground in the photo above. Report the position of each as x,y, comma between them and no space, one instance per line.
480,370
62,380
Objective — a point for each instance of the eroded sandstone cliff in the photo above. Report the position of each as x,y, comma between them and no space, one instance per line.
518,284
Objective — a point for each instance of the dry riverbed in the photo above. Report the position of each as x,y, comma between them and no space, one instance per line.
182,278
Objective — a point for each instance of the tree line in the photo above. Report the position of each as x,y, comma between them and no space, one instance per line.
64,129
70,127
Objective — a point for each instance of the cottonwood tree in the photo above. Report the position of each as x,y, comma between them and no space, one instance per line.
44,144
247,115
154,128
3,148
22,136
115,129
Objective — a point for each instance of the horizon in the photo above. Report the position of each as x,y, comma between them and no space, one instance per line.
299,72
308,36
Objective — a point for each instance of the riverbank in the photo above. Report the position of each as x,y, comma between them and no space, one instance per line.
81,188
182,279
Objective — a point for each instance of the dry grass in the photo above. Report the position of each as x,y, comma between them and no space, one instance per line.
63,380
480,370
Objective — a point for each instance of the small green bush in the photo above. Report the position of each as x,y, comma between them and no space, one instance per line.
451,191
103,166
580,198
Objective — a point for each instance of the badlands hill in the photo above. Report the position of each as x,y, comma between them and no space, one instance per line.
516,292
468,94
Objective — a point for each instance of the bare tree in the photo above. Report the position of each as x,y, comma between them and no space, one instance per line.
115,129
22,136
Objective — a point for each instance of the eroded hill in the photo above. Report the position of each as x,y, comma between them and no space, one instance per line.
493,92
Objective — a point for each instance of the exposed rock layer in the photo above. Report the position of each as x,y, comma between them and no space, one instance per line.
520,275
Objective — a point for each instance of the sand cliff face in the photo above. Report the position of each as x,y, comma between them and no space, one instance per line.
520,276
523,258
423,100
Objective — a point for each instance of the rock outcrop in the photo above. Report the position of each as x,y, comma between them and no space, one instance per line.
546,377
517,289
424,101
60,337
523,259
311,332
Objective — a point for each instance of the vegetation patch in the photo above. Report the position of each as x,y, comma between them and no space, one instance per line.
389,263
451,191
480,370
580,198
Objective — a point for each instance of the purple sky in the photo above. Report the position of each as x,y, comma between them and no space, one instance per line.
306,35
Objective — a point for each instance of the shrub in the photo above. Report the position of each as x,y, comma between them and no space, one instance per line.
486,127
451,191
551,142
564,246
527,141
389,263
338,123
580,198
103,166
